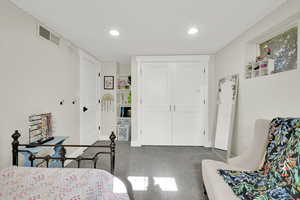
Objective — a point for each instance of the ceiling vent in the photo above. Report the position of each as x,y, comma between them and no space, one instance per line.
48,35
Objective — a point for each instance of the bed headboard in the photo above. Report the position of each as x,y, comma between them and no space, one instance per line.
110,150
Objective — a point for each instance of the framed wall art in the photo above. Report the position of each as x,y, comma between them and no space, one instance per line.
108,82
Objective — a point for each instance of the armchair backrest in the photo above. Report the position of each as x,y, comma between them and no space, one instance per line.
260,140
253,157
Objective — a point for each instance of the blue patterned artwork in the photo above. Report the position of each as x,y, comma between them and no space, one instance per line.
283,49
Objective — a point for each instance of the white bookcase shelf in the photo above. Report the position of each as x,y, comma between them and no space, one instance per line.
123,107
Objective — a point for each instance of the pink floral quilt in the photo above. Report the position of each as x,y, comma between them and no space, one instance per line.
18,183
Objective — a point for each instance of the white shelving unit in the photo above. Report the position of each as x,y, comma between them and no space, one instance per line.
123,107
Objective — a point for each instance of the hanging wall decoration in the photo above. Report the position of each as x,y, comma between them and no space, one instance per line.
108,82
107,103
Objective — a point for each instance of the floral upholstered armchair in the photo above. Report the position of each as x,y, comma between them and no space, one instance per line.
269,170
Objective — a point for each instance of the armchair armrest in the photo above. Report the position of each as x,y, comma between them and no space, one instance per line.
247,161
252,159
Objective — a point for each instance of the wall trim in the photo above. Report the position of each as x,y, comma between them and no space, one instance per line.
179,58
135,144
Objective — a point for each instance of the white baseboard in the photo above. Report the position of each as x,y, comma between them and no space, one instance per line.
104,137
135,144
76,153
138,144
208,144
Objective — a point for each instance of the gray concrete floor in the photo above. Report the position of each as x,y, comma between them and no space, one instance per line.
158,173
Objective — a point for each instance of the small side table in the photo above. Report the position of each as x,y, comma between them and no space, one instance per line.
35,150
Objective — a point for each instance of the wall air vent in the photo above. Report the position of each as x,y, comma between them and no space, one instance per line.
48,35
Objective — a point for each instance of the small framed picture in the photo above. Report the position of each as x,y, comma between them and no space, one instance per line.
108,82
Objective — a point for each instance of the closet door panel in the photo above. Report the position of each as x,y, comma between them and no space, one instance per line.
156,115
187,100
157,129
187,128
187,83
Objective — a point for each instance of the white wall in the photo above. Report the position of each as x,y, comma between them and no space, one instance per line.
34,76
263,97
212,101
124,69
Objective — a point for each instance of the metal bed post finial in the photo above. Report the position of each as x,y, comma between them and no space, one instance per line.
112,138
15,147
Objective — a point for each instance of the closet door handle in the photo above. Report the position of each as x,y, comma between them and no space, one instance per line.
174,108
170,108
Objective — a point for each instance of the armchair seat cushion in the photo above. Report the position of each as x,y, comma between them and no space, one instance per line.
216,187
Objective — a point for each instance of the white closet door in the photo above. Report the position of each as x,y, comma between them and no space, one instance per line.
88,99
156,115
188,107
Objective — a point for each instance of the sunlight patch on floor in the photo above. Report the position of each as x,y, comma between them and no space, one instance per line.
166,183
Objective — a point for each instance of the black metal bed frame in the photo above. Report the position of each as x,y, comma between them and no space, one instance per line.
16,144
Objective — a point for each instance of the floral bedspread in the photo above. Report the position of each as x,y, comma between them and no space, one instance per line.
18,183
279,178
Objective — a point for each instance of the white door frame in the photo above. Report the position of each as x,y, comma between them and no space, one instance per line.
177,59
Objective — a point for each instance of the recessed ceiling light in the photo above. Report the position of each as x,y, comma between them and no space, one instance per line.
193,31
114,32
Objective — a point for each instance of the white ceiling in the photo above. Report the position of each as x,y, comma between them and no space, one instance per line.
148,27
